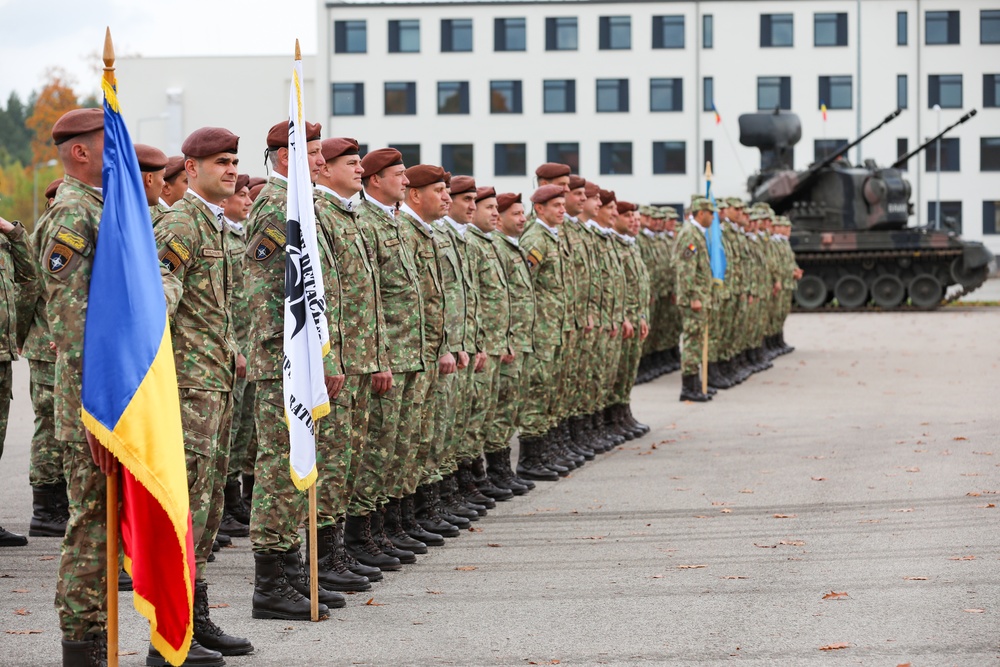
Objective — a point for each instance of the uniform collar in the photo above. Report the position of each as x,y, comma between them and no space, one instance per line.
345,202
513,240
389,210
552,230
457,226
216,211
405,208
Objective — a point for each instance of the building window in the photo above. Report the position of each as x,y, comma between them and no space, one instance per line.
615,32
453,97
400,98
669,157
666,95
560,33
835,92
505,97
564,153
559,96
991,217
668,32
510,159
457,158
950,215
946,90
902,36
991,90
509,35
989,154
776,30
902,148
709,152
456,35
941,28
612,95
830,29
824,148
410,152
350,37
708,94
902,92
949,155
989,26
348,99
707,31
774,92
616,157
404,36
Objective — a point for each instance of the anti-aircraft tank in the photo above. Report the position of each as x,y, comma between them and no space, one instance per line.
850,227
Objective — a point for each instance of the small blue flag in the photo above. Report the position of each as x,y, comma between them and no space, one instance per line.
716,251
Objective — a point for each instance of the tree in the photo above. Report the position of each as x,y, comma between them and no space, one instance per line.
15,138
56,98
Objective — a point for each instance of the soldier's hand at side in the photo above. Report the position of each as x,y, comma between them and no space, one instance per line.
614,331
590,324
103,459
382,382
643,330
5,226
334,383
696,305
628,331
797,274
241,366
447,365
480,362
507,358
463,360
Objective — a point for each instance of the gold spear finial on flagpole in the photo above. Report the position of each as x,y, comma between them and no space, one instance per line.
109,58
298,51
708,170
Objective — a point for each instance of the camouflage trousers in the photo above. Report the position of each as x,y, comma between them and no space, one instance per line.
6,394
576,369
649,345
438,418
47,453
567,390
424,430
206,417
340,447
450,409
718,321
540,371
592,349
628,367
81,590
692,339
611,352
483,401
502,427
243,442
391,425
742,332
671,325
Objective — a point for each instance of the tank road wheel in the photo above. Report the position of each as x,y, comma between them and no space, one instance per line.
851,292
811,292
967,278
888,291
926,291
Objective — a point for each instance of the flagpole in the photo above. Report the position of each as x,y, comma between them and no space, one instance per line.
313,557
111,549
704,306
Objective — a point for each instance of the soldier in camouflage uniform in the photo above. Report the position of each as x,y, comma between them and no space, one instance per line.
789,276
175,183
152,165
694,295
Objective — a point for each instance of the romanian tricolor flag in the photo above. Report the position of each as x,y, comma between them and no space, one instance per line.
718,118
822,108
306,336
130,398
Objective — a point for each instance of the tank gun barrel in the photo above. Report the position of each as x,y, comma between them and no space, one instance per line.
905,158
830,159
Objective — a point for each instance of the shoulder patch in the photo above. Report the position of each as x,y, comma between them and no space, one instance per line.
180,250
534,257
276,235
59,257
262,248
690,250
72,239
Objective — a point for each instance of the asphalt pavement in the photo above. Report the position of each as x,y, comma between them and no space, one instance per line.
839,509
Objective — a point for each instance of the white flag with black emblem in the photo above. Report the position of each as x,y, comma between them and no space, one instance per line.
307,339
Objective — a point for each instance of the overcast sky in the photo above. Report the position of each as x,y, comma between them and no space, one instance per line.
38,34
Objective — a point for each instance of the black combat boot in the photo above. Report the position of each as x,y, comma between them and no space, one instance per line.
92,651
361,545
691,389
208,633
453,504
198,656
334,569
529,463
223,540
484,484
467,487
643,375
384,543
567,446
627,423
501,476
443,507
787,348
715,378
48,519
124,580
408,515
429,512
765,362
234,504
246,493
643,428
604,433
297,574
579,438
230,527
505,461
392,520
274,596
611,422
546,453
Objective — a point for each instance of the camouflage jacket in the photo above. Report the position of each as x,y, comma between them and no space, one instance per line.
365,347
460,292
399,292
669,284
17,274
494,336
612,279
236,245
67,237
545,259
421,245
756,270
520,291
582,268
694,274
33,335
729,287
636,279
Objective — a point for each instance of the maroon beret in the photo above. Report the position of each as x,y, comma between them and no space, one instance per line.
210,141
626,207
150,158
591,189
447,179
506,200
547,192
338,146
461,184
50,191
76,122
277,136
242,181
175,165
484,193
551,170
576,182
255,190
424,174
607,196
255,181
378,160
